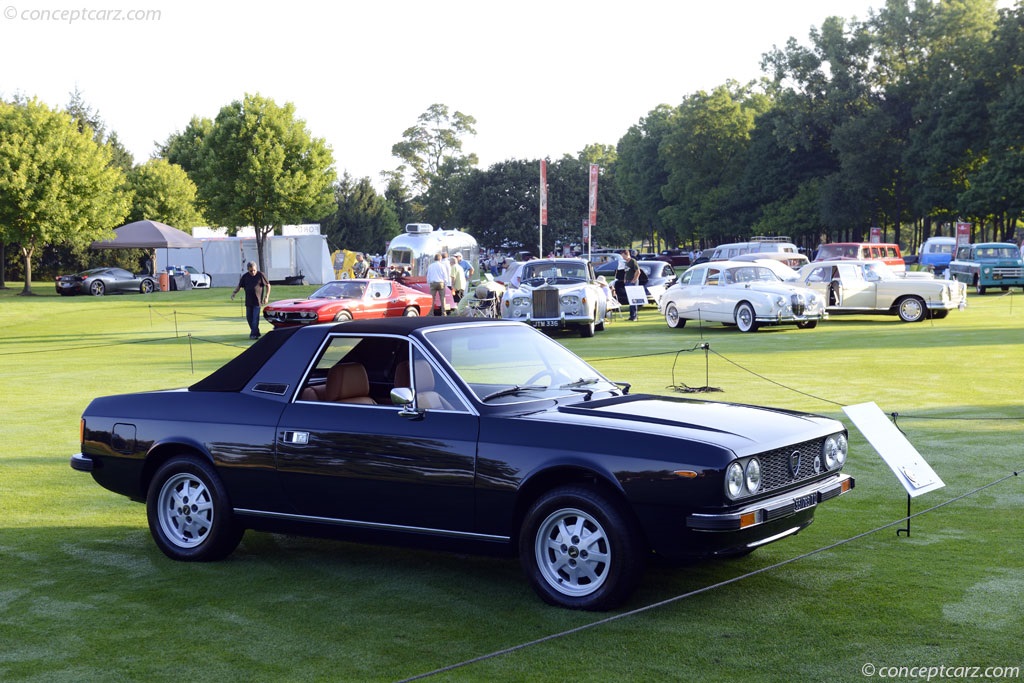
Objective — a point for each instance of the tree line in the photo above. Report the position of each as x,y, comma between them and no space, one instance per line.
908,120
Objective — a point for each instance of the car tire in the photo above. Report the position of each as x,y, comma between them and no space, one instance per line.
672,317
97,288
580,549
587,330
411,312
911,309
746,320
343,317
189,513
148,287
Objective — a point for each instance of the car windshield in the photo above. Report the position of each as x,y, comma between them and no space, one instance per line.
340,290
549,271
744,274
883,271
513,363
998,252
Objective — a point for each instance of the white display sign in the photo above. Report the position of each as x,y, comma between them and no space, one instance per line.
636,294
894,448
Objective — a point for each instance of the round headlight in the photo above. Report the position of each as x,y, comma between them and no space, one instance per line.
830,452
734,479
752,475
842,448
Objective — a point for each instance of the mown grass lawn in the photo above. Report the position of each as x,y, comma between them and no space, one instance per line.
86,596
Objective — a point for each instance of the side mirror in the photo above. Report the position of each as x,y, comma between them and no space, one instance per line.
401,396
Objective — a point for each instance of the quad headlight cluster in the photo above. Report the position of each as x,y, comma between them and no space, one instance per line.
743,478
834,451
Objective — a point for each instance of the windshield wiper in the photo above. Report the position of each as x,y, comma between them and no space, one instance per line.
512,391
581,382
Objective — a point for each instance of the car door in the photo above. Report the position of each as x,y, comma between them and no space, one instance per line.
715,302
856,293
370,465
122,281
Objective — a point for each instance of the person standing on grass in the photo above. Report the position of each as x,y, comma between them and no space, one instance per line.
257,290
631,277
439,277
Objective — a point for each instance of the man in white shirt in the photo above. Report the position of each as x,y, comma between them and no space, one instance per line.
439,277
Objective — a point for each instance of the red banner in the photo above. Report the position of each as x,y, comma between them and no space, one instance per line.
543,192
593,194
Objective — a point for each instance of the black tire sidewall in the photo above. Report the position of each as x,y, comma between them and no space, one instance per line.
627,547
224,535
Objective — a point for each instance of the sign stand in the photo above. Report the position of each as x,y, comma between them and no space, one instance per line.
895,449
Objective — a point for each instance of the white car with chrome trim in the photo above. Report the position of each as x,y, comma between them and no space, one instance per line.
741,293
558,293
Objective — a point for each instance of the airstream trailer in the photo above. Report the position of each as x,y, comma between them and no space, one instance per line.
414,250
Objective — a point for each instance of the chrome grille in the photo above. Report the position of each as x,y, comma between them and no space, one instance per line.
775,465
1006,271
797,302
545,303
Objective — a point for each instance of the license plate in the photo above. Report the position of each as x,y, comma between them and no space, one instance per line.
804,502
545,323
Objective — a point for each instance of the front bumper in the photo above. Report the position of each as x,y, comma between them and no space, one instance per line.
82,463
772,509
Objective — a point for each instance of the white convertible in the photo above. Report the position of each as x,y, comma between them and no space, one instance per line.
556,293
739,293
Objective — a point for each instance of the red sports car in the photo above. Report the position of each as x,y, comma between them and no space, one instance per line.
343,300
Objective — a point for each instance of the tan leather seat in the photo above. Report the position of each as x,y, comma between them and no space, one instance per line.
426,397
348,383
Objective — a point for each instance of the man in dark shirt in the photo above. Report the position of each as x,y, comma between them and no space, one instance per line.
632,277
257,288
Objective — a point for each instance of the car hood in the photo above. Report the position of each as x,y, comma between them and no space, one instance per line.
302,304
742,428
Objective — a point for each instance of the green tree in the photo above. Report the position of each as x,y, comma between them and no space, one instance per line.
364,220
185,149
705,154
57,185
260,166
432,158
86,117
164,192
641,173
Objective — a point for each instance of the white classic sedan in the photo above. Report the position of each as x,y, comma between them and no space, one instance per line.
558,293
872,287
739,293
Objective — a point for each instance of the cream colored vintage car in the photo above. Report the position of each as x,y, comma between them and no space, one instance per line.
872,287
554,294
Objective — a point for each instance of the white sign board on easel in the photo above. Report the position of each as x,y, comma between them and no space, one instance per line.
636,294
894,448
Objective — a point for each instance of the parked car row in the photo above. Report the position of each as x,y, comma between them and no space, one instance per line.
757,293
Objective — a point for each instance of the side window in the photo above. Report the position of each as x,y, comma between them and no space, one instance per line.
712,279
687,277
380,290
430,387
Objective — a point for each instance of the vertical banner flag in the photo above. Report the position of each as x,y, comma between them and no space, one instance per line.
543,192
593,194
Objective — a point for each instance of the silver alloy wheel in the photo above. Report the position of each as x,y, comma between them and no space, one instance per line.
573,552
911,309
411,312
97,288
185,510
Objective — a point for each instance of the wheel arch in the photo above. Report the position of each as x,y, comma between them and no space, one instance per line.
566,475
161,453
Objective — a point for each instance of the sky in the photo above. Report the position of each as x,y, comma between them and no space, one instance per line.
541,78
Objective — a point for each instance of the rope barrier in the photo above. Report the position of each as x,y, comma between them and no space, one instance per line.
704,589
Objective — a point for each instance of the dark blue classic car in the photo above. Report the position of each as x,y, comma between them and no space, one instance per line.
476,435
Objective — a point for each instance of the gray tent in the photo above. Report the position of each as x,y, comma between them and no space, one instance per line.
150,235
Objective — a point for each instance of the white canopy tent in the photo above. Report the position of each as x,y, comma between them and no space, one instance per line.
289,257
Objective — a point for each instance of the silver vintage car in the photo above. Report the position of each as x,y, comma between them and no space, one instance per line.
741,293
872,287
558,293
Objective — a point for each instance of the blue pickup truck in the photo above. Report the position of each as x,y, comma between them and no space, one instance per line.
988,264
